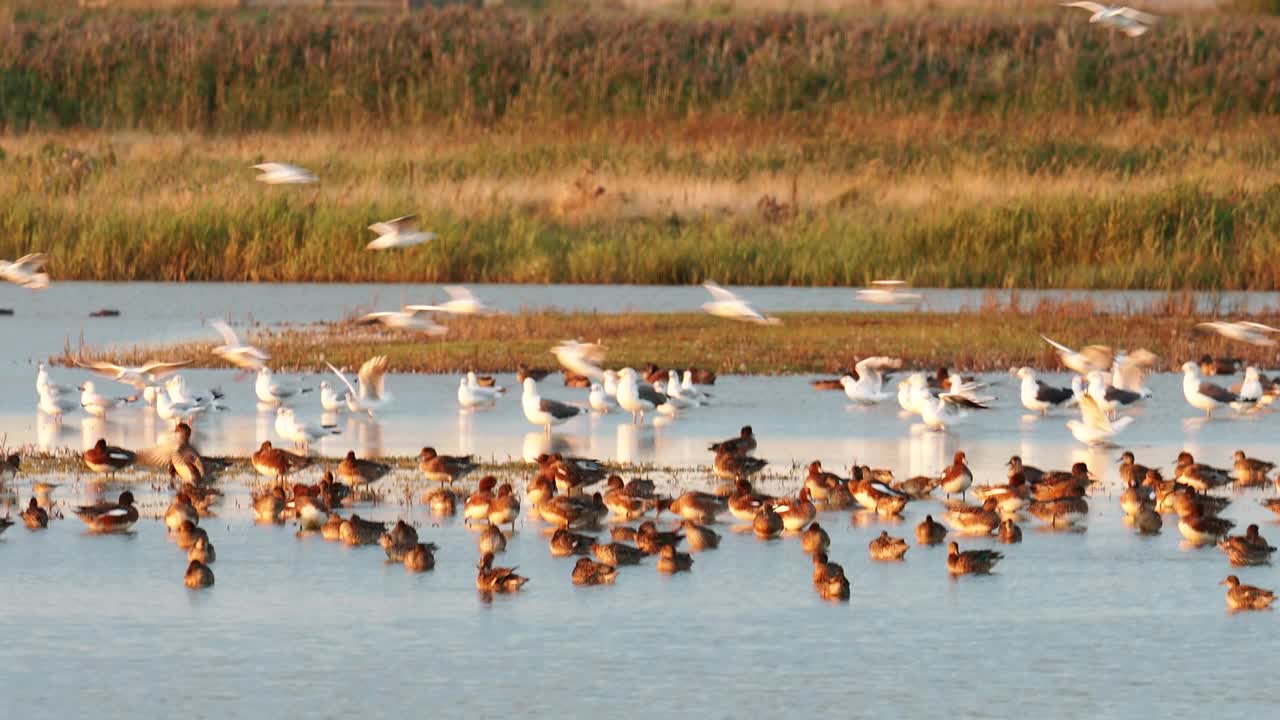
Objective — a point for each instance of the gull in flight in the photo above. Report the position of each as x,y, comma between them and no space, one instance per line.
398,233
1129,371
140,376
407,318
1090,358
274,391
301,434
472,394
1204,395
26,271
1247,332
242,355
1094,428
283,174
461,302
727,305
868,389
580,358
1125,19
1039,397
543,411
97,405
372,396
888,292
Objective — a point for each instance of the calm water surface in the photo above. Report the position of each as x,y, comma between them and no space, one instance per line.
1100,623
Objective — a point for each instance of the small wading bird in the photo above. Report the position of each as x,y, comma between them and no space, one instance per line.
1133,23
25,271
725,304
273,173
399,232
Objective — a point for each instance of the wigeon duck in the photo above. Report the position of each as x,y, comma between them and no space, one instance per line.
1009,498
1147,521
829,578
110,517
574,473
1059,485
815,539
397,541
1246,597
1251,471
887,548
929,532
617,553
442,501
497,579
310,510
878,497
332,528
956,478
623,533
971,562
917,487
796,513
670,561
107,459
358,531
733,467
477,505
744,504
699,537
574,380
767,523
202,550
275,463
202,497
697,506
491,540
188,533
574,511
744,443
540,489
974,520
198,575
565,543
10,467
35,517
622,504
1272,504
1247,549
698,376
1135,497
589,572
504,507
1009,532
361,472
1198,475
1185,500
524,371
1130,469
180,510
420,558
651,541
179,457
444,468
832,383
1061,513
820,482
1201,529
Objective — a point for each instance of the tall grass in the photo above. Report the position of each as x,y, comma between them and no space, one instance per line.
295,70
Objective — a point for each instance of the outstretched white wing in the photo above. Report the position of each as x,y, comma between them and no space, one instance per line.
371,377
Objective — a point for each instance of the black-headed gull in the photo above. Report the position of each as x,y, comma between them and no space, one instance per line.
139,376
274,173
1204,395
1090,358
1243,331
44,384
725,304
410,317
272,390
461,302
301,433
544,411
1125,19
372,395
96,404
26,271
331,400
599,400
868,389
1039,397
398,233
240,354
472,394
1094,428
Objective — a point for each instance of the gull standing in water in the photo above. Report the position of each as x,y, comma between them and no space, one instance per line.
599,400
1039,397
26,271
44,385
372,396
1094,428
140,376
1246,332
635,397
868,389
1109,397
274,173
398,233
1133,23
331,400
472,394
543,411
98,405
274,391
1204,395
727,305
242,355
300,433
461,302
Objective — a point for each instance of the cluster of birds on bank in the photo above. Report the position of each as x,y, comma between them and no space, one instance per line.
562,495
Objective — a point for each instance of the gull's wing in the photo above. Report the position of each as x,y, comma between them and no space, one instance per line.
961,401
888,283
1058,346
458,292
878,362
371,376
101,367
159,368
272,167
31,262
394,225
343,378
424,308
1092,7
1217,392
557,409
228,335
1093,415
720,294
1100,356
1138,15
1258,326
